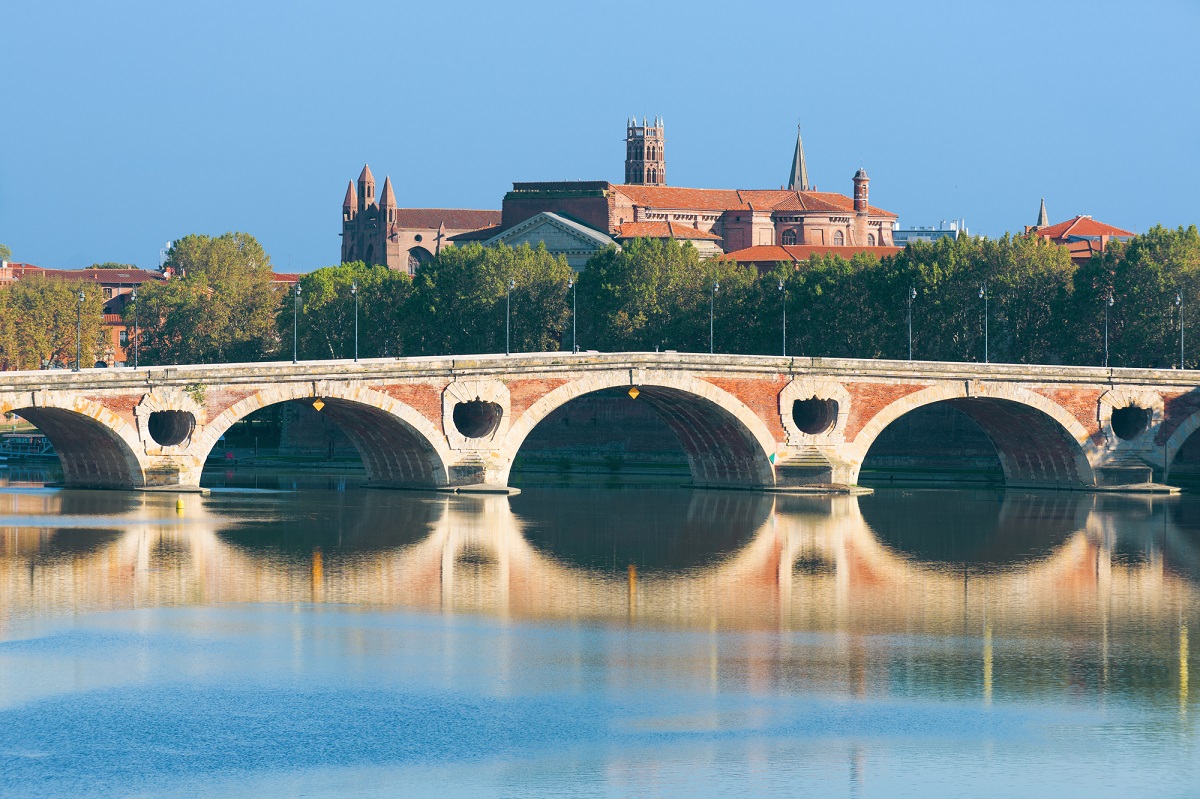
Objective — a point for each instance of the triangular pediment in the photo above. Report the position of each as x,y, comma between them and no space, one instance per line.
558,233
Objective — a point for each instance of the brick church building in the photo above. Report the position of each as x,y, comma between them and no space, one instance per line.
578,218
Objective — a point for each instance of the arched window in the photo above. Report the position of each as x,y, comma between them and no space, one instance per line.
789,237
838,239
870,239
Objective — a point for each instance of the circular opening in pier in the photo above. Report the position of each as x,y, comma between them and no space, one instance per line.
169,428
477,419
1130,422
814,416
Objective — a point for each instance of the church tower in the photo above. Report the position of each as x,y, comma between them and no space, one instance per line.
645,159
799,178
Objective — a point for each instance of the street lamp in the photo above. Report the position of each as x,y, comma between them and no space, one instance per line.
354,291
574,343
783,293
712,304
912,295
512,284
296,324
1108,303
135,328
79,330
983,295
1179,302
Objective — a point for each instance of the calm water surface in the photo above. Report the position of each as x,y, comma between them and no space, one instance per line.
308,638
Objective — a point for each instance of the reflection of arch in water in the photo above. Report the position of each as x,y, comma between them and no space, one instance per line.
399,447
726,443
342,525
982,530
668,531
1037,441
96,447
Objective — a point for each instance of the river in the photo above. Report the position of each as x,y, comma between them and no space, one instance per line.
306,637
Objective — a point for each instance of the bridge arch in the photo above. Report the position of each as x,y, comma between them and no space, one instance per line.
1039,443
725,442
399,447
96,447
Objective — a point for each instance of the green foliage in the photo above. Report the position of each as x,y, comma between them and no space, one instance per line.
458,302
5,253
326,323
220,306
112,265
38,319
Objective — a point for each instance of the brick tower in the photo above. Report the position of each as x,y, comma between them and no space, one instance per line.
645,159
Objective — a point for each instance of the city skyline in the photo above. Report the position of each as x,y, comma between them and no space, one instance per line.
152,123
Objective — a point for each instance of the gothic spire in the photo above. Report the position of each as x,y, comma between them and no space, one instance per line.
1043,219
351,198
387,198
799,178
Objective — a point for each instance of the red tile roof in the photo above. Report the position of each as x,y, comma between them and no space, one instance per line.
453,218
1081,226
286,277
796,253
111,277
743,199
662,230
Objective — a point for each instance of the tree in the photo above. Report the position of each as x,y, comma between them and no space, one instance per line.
5,253
38,318
220,306
458,302
326,324
112,265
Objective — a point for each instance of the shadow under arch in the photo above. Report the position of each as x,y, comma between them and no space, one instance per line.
662,530
725,443
95,447
1038,443
399,447
981,531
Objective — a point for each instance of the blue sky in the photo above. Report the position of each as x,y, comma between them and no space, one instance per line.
128,124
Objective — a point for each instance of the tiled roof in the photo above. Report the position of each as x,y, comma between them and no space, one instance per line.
662,230
108,277
286,277
1081,226
774,253
453,218
742,199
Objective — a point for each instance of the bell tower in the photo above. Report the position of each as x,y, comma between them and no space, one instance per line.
645,159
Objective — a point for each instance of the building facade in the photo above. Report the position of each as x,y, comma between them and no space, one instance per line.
375,230
1081,235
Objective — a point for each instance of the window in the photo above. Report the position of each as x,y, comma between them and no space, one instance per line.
107,293
124,338
789,237
870,239
838,239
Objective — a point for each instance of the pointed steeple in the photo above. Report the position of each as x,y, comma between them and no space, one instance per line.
799,178
387,198
366,189
351,200
365,176
1043,218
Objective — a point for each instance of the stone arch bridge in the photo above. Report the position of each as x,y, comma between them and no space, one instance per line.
743,421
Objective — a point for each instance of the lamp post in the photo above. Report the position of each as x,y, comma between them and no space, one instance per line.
1179,302
1108,303
712,305
354,291
912,295
574,343
135,328
512,284
783,293
296,324
79,330
983,295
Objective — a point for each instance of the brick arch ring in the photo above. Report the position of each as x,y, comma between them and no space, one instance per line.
1179,437
726,443
399,447
96,447
1039,442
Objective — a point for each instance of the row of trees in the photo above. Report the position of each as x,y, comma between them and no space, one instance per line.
222,304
